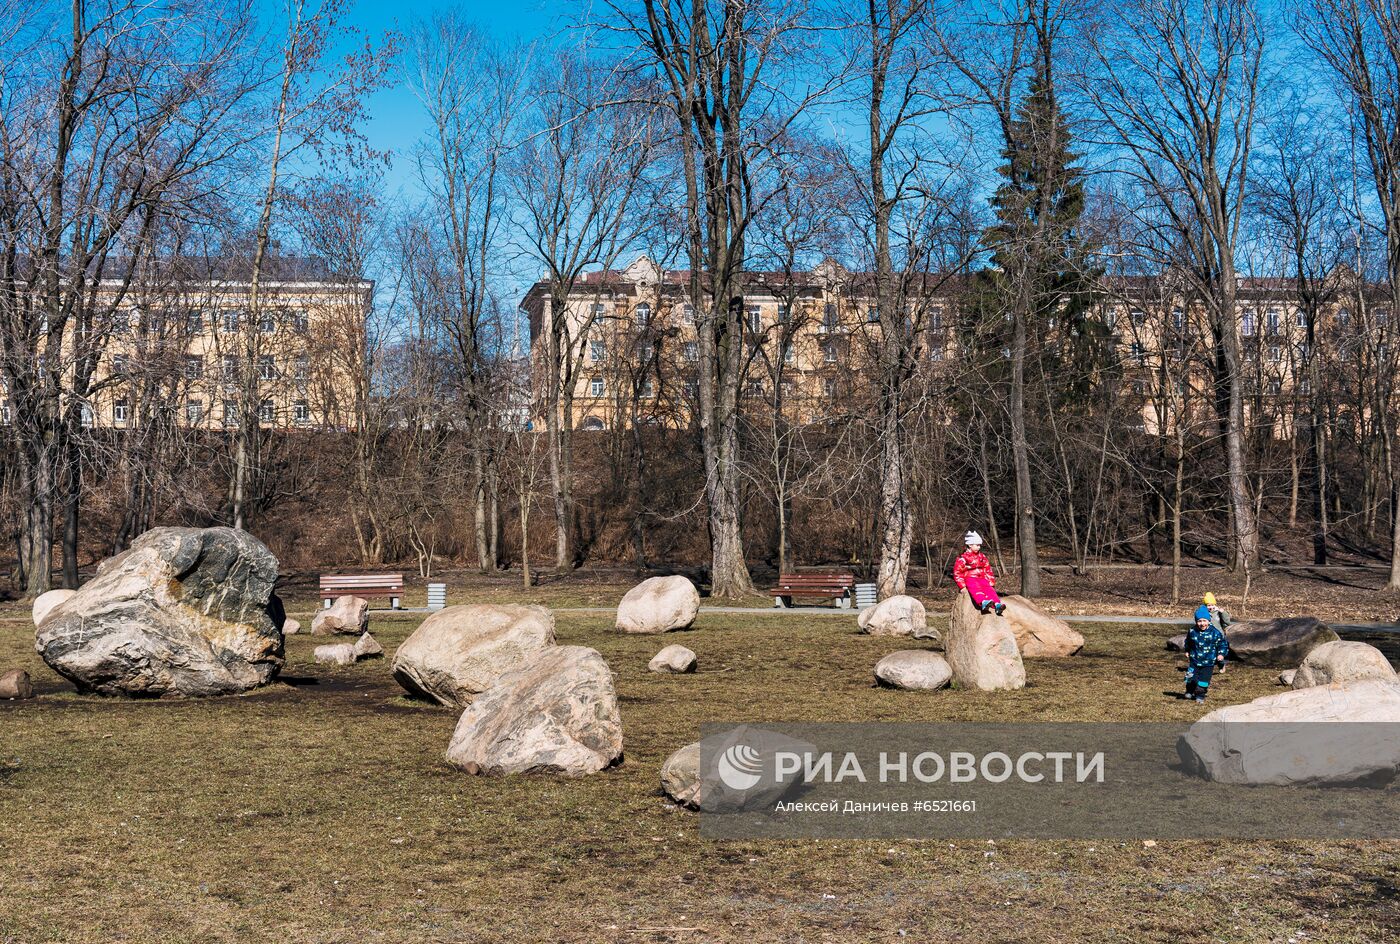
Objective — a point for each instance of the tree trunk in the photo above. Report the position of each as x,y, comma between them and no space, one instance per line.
1020,458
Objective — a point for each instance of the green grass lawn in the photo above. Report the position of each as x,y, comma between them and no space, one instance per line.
320,809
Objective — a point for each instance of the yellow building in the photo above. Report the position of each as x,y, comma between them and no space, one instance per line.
810,339
197,351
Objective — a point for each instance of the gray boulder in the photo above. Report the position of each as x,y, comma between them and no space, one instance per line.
898,615
337,653
1038,634
459,652
658,605
981,649
557,713
1282,738
914,670
680,776
183,612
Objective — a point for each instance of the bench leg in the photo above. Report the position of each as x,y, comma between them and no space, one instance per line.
326,603
394,602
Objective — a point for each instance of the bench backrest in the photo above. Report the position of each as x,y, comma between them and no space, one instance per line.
816,581
332,584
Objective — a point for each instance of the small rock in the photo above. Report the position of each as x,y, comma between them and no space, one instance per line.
340,653
1285,678
15,684
914,670
290,627
673,659
367,647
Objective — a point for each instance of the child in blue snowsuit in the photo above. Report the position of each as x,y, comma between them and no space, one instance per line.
1205,649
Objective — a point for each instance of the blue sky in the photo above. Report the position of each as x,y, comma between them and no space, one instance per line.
396,118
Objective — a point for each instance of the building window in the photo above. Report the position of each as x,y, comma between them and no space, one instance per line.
599,309
300,322
755,319
267,368
194,322
267,322
789,355
644,352
230,370
1247,324
692,389
1305,386
783,313
121,410
648,388
1382,317
85,416
597,351
872,315
829,353
643,315
596,387
1275,387
5,412
266,414
756,388
194,367
936,352
829,321
194,412
1300,318
301,413
786,389
302,368
1139,388
119,364
829,387
153,323
1271,321
690,350
121,322
230,413
1343,317
1276,353
1138,352
1178,319
1139,316
935,318
688,313
230,320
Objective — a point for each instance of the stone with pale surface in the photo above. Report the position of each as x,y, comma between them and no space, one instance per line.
1280,739
674,659
1038,634
658,605
557,713
914,669
460,651
981,649
680,776
15,684
337,653
46,603
1341,662
898,615
347,615
367,647
183,612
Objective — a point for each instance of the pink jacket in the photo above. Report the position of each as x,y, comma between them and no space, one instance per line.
975,565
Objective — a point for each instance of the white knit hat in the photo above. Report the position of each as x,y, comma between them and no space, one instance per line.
972,537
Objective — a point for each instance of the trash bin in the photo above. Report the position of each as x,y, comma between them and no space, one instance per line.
865,595
437,596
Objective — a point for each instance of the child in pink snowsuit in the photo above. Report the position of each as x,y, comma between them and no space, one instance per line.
973,572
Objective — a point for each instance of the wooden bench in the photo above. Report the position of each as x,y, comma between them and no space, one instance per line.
830,586
361,585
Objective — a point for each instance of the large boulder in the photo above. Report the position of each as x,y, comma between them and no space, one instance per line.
184,611
348,615
674,659
557,713
981,648
1038,634
658,605
1340,662
15,684
896,616
46,603
460,651
914,669
1279,739
1281,643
